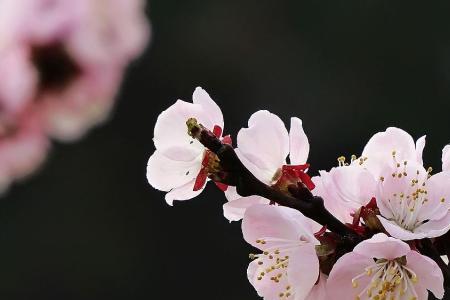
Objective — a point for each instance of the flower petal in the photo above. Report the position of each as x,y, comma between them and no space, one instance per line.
319,291
382,246
184,192
298,143
165,174
429,275
434,228
265,144
420,145
438,195
210,108
282,223
345,189
446,158
171,130
234,210
380,147
344,270
303,270
398,231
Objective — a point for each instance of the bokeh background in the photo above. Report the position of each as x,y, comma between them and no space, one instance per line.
88,226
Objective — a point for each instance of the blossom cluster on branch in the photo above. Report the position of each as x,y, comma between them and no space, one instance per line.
61,64
373,227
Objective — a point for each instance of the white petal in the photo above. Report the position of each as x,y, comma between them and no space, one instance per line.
165,174
210,108
299,144
171,130
265,143
234,210
184,192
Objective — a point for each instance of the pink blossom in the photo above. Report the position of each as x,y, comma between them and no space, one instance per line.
75,52
288,268
263,148
385,267
413,204
176,165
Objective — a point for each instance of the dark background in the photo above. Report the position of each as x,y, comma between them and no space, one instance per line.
88,226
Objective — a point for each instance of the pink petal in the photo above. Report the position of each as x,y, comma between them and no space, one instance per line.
303,270
434,228
345,189
211,109
165,174
266,288
298,143
429,275
333,203
420,145
382,246
171,130
319,291
184,192
234,210
347,267
268,221
265,144
398,231
438,196
446,158
380,147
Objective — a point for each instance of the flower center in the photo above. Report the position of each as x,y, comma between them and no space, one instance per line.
274,261
56,68
407,202
389,279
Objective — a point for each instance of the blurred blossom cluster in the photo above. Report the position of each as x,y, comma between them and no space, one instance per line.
372,227
61,64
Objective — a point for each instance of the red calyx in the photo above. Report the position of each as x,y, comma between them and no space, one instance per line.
202,176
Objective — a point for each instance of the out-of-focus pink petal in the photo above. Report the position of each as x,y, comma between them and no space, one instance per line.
17,80
165,174
282,223
382,246
265,144
210,107
380,147
303,270
429,275
184,192
298,143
